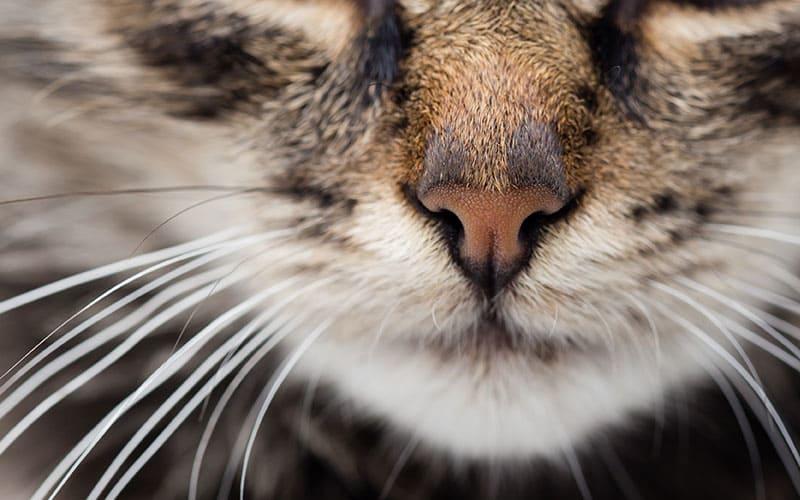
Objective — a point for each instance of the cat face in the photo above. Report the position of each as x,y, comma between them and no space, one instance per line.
496,204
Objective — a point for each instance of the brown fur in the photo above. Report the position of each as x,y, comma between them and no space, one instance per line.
667,116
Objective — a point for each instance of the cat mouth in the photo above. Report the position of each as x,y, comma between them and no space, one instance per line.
490,338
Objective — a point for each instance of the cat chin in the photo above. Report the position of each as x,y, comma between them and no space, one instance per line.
503,407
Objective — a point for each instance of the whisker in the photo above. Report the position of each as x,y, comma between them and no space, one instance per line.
188,209
269,392
714,319
381,328
118,328
751,382
197,374
771,214
213,288
111,269
405,455
229,247
747,431
169,368
755,232
188,409
768,296
574,464
660,418
778,444
785,326
111,332
222,403
763,344
744,311
748,249
618,471
132,191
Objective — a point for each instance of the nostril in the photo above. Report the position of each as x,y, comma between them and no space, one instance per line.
450,222
531,228
450,227
534,224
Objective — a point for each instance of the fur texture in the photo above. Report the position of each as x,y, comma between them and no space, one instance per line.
675,127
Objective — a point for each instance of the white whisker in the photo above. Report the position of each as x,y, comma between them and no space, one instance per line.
764,344
405,455
272,389
118,328
197,374
755,232
216,414
111,269
768,296
751,382
747,431
170,366
744,311
269,392
228,247
714,319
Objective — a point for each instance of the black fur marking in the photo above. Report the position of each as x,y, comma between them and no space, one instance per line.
211,50
639,212
383,44
718,4
200,58
614,53
383,47
589,97
590,136
324,198
703,210
664,203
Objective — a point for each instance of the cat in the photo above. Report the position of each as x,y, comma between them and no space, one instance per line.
412,249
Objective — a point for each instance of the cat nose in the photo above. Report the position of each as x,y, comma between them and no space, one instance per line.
491,243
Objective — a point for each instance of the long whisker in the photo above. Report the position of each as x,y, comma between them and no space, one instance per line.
618,471
660,419
188,209
110,269
187,409
755,232
118,328
269,392
778,443
197,374
272,389
747,431
768,296
219,408
402,460
741,309
118,192
168,368
574,464
109,333
714,319
751,382
230,247
769,214
749,250
764,344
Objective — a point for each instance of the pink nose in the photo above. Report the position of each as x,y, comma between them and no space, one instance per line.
491,247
